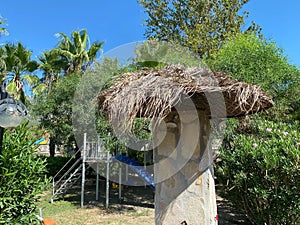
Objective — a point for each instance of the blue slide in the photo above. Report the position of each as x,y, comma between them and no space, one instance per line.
136,167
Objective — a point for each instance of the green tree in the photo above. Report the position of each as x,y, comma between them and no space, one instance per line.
51,65
2,64
76,53
160,53
54,111
202,26
255,163
72,57
2,61
19,68
65,110
261,62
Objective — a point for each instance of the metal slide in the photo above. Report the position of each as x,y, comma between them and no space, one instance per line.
136,167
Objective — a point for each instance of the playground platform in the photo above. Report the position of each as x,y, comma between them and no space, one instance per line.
119,169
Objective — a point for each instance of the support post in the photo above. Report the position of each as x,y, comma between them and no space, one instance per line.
184,184
126,168
83,170
97,182
145,163
107,179
120,181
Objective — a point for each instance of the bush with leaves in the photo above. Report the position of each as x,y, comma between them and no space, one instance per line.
262,170
22,177
261,62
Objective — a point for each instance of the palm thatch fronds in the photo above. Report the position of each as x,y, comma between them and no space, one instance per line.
154,93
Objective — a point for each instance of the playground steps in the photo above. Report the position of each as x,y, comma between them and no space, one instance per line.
61,183
90,152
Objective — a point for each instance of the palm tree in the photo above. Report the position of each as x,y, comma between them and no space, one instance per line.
2,29
76,52
2,64
19,67
51,64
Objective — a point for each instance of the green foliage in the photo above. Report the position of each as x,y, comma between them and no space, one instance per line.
22,178
158,54
75,52
261,62
3,29
54,109
63,69
261,169
110,140
202,26
54,164
18,69
86,115
2,64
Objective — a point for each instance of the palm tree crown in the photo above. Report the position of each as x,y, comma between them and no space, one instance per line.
19,68
76,52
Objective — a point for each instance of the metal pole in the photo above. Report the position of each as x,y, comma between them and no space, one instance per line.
97,182
98,148
126,167
145,161
120,180
83,170
107,180
53,189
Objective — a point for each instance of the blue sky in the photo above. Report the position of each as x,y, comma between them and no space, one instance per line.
35,22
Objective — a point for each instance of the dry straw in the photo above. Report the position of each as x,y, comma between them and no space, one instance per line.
153,93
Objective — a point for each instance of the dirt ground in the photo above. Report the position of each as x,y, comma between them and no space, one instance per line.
136,207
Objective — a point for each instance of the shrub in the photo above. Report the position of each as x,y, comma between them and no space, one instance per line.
261,62
261,166
22,178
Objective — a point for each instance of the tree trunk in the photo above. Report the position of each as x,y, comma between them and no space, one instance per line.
51,147
78,155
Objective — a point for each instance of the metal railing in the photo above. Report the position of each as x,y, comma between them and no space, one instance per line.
90,151
61,175
94,151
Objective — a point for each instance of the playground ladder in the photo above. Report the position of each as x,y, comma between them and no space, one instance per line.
61,182
90,152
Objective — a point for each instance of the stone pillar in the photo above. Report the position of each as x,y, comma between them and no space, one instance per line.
183,171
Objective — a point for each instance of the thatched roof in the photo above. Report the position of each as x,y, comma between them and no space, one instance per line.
154,93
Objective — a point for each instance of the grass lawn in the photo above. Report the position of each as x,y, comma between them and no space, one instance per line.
137,208
70,213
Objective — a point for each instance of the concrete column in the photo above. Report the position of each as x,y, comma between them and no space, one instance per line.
183,171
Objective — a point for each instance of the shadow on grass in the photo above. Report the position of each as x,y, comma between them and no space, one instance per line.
131,196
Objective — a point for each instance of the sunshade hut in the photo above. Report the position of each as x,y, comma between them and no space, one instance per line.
182,101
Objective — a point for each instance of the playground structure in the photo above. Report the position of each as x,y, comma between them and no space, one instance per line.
94,155
41,141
